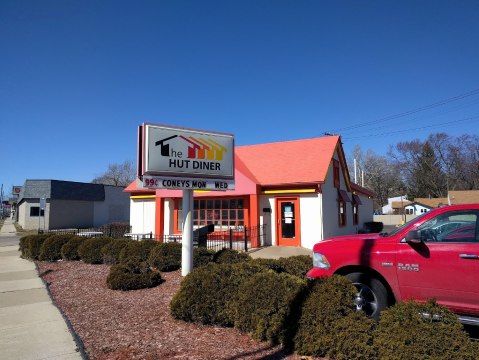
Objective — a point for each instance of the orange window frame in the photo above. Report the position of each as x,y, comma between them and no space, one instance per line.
245,210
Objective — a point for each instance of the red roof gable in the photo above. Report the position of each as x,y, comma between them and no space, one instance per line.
299,161
288,162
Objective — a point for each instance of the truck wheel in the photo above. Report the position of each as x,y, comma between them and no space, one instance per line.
372,296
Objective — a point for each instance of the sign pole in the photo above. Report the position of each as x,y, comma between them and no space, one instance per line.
43,206
187,239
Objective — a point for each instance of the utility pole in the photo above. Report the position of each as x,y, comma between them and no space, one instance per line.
355,180
2,210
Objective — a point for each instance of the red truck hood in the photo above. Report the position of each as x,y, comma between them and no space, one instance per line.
357,238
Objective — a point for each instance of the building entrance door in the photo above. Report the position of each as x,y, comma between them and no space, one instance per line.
288,223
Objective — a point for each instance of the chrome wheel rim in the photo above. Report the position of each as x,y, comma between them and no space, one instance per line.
365,300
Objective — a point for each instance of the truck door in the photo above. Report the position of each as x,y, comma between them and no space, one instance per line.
445,265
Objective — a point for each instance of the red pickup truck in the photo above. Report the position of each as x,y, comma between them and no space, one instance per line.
434,255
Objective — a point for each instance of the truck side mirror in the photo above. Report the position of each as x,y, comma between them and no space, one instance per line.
414,237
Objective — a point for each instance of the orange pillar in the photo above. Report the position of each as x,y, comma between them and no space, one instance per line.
254,219
159,218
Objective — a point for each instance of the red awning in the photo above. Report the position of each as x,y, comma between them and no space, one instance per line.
344,195
357,200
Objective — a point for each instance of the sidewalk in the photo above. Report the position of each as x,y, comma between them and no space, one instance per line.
276,252
31,327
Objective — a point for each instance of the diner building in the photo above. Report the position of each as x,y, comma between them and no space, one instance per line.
300,190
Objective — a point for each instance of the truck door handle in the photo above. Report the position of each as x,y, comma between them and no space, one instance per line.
468,256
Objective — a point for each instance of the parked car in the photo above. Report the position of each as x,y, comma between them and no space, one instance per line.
434,255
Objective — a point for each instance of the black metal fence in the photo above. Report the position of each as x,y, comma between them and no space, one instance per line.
241,239
115,231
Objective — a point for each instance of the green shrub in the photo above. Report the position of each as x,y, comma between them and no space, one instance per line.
166,257
138,250
297,265
329,326
264,305
229,256
202,257
403,333
51,249
70,249
273,264
207,294
132,276
23,246
111,251
90,250
35,242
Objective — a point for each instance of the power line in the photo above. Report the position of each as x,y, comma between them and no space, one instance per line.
410,112
418,118
471,119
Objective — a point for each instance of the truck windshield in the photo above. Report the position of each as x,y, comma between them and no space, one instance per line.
399,229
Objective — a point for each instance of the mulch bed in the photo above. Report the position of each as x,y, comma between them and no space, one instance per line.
137,324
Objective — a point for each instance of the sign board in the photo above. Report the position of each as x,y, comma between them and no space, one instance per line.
174,151
43,203
16,190
177,183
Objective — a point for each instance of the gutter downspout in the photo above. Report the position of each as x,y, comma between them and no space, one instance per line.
320,194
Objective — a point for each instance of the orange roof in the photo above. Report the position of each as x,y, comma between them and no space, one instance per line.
397,204
289,162
433,202
299,161
464,197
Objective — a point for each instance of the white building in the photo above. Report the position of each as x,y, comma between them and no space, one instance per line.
299,189
70,205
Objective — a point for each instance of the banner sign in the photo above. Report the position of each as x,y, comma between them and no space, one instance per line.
174,151
176,183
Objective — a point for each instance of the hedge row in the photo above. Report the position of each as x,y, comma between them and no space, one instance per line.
161,256
158,256
315,318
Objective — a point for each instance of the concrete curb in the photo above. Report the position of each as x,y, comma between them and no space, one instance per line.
77,339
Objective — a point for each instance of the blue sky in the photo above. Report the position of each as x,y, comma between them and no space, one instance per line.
78,77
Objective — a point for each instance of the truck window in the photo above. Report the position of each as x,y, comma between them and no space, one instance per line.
451,227
399,229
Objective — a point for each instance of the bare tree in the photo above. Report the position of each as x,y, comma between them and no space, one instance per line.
421,168
117,174
380,176
467,163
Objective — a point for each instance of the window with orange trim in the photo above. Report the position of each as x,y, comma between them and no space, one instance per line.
224,213
341,213
336,173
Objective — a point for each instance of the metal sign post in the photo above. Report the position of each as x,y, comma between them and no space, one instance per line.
176,158
187,240
43,206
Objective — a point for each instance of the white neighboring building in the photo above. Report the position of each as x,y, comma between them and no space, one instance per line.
387,209
71,205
